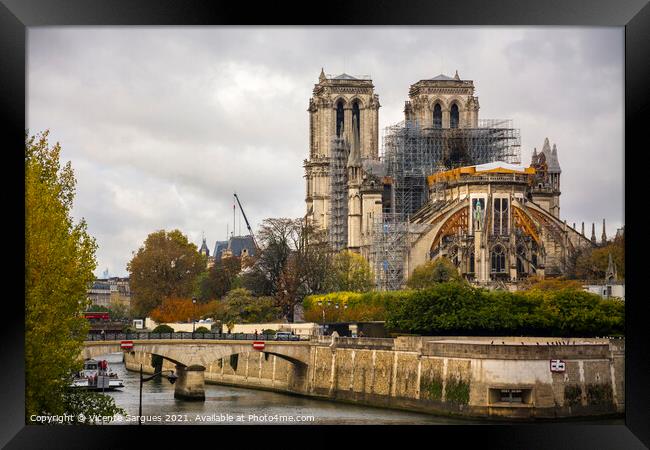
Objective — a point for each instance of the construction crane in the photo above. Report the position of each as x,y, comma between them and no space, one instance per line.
248,225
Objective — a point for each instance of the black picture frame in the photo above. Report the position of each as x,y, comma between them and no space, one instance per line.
634,15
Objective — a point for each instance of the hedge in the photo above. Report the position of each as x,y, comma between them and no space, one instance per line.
458,308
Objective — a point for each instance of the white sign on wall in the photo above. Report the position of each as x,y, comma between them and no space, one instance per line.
557,365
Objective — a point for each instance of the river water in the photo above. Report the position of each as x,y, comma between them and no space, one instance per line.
238,406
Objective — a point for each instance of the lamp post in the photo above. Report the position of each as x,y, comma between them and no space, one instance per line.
193,316
172,379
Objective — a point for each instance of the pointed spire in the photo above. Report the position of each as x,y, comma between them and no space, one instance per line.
583,228
456,77
534,158
574,225
547,147
611,274
593,233
322,76
603,237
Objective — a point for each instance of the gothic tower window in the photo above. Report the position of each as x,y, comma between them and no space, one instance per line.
498,259
455,116
471,262
437,116
500,217
521,255
356,113
339,118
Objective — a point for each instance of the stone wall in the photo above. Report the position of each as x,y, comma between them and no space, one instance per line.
461,376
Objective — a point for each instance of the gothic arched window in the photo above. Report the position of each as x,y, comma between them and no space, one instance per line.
356,113
498,259
471,262
339,118
455,116
437,116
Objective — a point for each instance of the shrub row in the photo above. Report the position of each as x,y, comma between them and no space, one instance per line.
458,308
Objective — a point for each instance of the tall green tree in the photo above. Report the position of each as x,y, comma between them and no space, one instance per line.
165,266
350,272
59,265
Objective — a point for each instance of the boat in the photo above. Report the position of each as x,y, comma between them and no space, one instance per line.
96,376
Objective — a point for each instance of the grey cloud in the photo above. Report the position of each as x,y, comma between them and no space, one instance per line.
163,124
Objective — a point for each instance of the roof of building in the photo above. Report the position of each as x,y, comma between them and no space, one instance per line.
493,167
442,77
344,76
219,246
237,244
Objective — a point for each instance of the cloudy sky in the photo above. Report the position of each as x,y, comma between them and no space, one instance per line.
162,125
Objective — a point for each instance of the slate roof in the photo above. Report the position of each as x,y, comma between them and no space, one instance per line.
218,248
238,243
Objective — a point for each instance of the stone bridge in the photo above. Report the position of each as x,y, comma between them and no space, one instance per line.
191,357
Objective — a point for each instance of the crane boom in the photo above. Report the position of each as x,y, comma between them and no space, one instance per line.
248,225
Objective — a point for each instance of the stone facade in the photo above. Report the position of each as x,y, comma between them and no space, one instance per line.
496,377
489,221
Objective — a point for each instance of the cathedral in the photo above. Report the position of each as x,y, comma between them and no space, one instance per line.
447,184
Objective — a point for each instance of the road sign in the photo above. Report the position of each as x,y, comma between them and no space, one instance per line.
126,345
258,345
557,365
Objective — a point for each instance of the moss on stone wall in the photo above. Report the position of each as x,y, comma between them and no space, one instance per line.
599,394
457,391
431,388
572,395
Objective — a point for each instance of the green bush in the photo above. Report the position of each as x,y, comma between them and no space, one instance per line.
202,330
454,308
269,332
163,329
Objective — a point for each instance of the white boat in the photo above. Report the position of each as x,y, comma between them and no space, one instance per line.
96,376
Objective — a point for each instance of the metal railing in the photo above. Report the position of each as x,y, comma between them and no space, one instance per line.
198,336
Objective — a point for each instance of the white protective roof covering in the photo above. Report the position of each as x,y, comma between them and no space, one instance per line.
499,164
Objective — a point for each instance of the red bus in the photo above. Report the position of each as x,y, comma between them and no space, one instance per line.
96,316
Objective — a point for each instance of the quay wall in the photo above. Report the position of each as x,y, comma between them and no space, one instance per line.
454,376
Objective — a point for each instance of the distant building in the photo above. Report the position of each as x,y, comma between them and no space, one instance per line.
239,246
106,291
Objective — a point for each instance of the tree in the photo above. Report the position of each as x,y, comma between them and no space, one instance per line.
350,272
165,266
175,309
218,279
293,262
430,273
59,265
242,307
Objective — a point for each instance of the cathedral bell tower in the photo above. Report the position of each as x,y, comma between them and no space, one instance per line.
340,107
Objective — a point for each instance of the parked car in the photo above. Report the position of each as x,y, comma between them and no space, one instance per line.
286,336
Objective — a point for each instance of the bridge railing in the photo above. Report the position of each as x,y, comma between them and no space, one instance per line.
214,336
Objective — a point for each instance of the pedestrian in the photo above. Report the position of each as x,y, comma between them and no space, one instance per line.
103,337
255,333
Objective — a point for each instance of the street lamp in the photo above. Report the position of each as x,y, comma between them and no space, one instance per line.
171,377
193,315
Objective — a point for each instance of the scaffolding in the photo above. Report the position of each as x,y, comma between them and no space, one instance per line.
389,250
412,153
338,192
